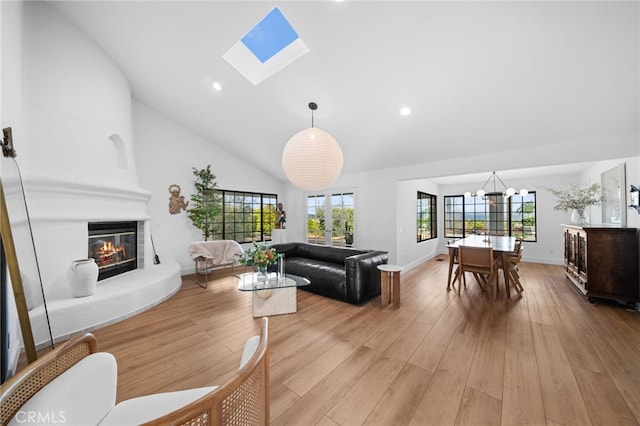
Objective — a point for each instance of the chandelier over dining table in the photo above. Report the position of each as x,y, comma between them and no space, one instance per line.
506,191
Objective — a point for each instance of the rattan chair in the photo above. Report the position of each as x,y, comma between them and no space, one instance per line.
243,400
21,387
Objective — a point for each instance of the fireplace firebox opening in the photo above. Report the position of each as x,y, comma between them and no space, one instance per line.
114,246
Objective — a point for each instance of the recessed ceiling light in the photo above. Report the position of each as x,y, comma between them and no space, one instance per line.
405,111
216,86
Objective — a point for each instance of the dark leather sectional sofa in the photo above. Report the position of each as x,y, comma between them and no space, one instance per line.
344,274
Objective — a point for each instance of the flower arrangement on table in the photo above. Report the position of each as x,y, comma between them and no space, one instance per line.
260,256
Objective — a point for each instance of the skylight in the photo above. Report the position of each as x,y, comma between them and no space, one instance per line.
268,47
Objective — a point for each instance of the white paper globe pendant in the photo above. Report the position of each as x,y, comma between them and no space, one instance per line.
312,159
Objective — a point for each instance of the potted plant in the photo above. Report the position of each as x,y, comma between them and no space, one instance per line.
576,200
205,207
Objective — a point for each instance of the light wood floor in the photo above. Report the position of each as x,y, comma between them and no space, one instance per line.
549,357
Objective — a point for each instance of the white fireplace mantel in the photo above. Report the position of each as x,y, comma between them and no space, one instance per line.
59,213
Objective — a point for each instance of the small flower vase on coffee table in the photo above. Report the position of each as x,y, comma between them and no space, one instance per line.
262,273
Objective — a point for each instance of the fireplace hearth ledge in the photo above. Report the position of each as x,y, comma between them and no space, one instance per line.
115,299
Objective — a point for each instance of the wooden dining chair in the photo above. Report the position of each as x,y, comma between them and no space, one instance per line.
481,263
513,260
454,269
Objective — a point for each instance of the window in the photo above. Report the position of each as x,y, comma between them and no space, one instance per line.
426,217
514,216
332,208
315,219
454,216
342,207
246,216
523,217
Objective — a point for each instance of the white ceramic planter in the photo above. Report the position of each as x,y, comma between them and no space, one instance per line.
83,277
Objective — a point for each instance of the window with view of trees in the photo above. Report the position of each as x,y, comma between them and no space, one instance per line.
426,217
245,216
514,216
336,209
315,219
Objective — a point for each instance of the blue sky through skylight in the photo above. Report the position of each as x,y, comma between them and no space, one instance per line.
269,36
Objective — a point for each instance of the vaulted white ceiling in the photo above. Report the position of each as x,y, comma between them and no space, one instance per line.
479,77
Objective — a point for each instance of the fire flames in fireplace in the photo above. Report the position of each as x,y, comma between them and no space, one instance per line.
107,253
114,247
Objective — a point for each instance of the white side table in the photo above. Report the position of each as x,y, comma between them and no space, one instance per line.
390,284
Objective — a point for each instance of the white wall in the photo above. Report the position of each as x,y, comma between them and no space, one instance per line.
76,97
410,252
166,154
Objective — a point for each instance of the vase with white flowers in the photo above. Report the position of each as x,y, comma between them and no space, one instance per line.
576,200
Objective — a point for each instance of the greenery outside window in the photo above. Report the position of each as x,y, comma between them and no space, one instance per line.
514,216
315,219
426,217
245,216
332,208
342,207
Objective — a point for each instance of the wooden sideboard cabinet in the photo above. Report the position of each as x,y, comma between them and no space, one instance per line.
602,261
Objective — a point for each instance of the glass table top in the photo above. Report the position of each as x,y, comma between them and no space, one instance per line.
249,282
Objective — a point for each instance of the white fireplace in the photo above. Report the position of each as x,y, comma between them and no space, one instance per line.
60,214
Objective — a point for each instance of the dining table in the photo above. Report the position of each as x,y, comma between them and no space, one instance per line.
502,246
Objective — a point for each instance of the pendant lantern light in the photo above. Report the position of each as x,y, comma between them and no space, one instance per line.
312,159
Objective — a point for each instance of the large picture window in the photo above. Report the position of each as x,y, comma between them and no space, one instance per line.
514,216
246,216
426,217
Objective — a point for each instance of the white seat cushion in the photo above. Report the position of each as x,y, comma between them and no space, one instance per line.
146,408
82,395
249,349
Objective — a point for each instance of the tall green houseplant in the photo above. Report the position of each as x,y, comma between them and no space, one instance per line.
205,207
